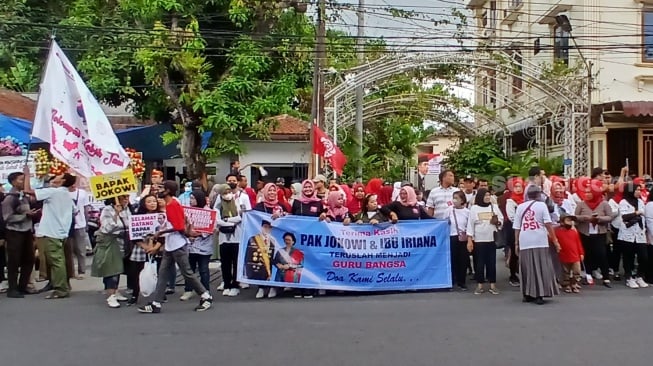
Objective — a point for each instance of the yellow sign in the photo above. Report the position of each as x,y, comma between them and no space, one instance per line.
113,185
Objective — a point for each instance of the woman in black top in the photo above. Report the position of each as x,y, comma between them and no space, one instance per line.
406,208
270,203
308,204
371,213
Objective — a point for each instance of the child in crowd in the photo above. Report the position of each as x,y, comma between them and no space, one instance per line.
571,253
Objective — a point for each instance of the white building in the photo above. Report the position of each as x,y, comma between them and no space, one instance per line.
286,154
615,37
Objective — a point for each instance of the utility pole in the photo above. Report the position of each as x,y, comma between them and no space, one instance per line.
360,94
317,107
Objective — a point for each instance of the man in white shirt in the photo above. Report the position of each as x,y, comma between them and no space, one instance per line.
80,240
240,196
441,198
54,227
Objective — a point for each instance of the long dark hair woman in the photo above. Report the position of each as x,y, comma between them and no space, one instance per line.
142,248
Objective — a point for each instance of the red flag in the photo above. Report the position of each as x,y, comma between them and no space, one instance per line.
324,146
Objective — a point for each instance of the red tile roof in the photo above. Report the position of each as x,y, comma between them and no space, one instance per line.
288,128
16,105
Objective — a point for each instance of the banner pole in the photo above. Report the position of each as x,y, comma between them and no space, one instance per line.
38,96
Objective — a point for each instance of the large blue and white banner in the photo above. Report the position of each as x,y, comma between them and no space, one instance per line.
302,252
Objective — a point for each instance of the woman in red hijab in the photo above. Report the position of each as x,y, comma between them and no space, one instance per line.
594,215
515,187
642,184
558,190
355,205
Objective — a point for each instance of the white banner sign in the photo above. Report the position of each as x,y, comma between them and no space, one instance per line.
70,119
11,164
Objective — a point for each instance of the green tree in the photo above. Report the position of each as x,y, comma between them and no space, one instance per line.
221,66
473,156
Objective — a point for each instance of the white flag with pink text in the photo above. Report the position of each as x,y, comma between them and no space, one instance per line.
70,119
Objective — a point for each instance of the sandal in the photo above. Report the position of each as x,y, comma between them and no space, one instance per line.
568,289
575,290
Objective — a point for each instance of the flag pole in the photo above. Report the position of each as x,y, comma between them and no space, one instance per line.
38,96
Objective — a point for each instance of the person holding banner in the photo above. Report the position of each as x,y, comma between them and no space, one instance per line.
270,205
142,248
230,234
54,227
175,252
200,250
111,239
308,204
371,213
406,208
336,210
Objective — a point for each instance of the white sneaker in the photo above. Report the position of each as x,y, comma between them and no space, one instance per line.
221,287
112,301
641,283
631,283
273,293
226,292
120,297
244,286
260,293
321,292
597,274
234,292
4,287
186,296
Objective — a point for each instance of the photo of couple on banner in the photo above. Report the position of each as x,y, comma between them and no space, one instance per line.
302,252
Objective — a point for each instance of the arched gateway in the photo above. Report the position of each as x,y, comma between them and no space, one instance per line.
547,111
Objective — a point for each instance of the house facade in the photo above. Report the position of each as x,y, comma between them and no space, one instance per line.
608,47
286,154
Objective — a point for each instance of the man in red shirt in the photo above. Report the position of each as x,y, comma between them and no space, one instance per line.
175,252
251,193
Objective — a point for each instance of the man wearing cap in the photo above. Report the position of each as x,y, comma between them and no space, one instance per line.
320,187
468,189
150,189
422,170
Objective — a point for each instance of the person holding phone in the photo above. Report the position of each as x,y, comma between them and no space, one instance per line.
594,215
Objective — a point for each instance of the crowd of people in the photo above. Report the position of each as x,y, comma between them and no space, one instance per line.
557,234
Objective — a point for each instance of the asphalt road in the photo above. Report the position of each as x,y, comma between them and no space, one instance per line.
597,327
